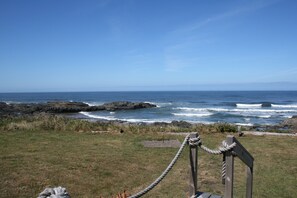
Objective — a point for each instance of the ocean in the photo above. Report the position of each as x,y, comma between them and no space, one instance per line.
246,108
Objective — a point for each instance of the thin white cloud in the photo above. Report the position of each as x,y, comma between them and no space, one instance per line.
186,37
252,6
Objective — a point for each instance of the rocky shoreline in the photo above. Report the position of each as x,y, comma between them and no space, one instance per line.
66,107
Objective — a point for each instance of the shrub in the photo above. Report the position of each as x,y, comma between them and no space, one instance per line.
226,127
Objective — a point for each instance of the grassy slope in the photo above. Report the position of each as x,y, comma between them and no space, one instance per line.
89,165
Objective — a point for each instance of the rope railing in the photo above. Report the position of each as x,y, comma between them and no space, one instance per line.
221,150
192,142
229,149
224,148
165,172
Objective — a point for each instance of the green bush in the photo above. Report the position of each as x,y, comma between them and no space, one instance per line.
226,127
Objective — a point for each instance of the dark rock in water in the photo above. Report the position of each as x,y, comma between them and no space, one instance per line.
266,104
113,106
64,107
94,108
67,104
67,107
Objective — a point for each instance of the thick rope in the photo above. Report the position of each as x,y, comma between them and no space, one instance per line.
166,171
224,169
192,142
222,150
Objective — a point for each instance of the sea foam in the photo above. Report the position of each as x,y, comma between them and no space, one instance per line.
248,105
189,109
94,103
284,106
264,116
193,114
244,124
160,104
96,116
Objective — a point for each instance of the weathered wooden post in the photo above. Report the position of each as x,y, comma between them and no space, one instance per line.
193,156
240,152
249,182
229,171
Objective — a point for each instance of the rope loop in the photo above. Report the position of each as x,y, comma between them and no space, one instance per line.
195,141
222,149
226,147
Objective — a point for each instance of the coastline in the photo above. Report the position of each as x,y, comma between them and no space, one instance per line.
244,109
62,113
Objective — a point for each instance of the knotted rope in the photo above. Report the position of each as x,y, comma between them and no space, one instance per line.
221,150
192,142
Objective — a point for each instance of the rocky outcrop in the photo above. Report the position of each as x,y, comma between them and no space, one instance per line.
290,123
67,107
114,106
64,107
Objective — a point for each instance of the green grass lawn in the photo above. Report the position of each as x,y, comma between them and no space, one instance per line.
90,165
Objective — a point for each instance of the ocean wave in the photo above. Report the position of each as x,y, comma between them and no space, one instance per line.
15,102
243,124
239,105
97,117
191,109
273,111
94,103
218,109
264,110
162,104
132,120
288,116
239,110
193,114
284,106
143,120
264,116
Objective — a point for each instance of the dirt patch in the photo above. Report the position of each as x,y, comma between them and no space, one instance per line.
162,144
269,133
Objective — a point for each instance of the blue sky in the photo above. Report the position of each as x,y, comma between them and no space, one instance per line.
118,45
